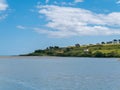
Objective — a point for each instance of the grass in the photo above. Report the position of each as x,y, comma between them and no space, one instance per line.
101,50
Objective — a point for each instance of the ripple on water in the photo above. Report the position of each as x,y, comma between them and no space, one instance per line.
11,84
65,82
81,82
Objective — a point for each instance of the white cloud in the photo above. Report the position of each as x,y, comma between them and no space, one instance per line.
69,21
3,16
3,8
3,5
118,2
78,1
64,3
47,1
20,27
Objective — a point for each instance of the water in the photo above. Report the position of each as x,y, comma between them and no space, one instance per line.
59,73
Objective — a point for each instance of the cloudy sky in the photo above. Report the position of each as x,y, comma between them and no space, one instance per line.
26,25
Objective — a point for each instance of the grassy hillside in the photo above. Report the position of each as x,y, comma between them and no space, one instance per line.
101,50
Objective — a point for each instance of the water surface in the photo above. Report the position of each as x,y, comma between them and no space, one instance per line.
59,73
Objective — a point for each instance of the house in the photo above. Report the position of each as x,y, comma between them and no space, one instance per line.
86,50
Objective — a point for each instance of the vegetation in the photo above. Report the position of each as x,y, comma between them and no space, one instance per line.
108,49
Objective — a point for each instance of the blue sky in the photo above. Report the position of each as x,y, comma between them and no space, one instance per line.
26,25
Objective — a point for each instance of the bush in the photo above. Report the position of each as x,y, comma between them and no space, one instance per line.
98,54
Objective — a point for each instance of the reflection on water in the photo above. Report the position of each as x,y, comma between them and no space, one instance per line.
57,73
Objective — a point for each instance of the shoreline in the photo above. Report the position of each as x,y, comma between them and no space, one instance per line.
52,57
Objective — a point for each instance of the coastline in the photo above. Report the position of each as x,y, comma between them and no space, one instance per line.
19,56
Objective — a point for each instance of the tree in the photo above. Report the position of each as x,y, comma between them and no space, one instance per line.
51,47
56,47
77,45
110,42
119,40
98,54
114,41
39,51
102,42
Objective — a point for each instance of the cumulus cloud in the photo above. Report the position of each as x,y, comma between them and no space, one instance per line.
47,1
69,21
3,8
118,2
20,27
3,5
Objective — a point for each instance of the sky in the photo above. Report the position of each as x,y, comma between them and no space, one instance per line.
27,25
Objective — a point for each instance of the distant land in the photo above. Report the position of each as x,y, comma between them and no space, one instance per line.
103,49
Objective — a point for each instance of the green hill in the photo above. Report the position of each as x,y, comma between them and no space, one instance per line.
99,50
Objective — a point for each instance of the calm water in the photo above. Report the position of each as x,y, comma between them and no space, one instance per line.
57,73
